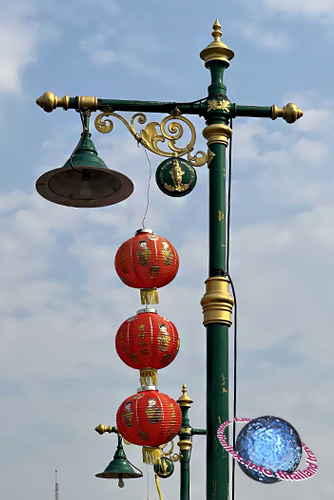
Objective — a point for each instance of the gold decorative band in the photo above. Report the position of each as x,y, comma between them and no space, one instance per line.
185,445
217,302
48,101
87,101
290,113
217,133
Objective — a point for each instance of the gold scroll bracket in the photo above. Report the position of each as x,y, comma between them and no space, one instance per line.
175,457
170,129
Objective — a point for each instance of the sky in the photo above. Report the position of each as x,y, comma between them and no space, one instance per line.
61,301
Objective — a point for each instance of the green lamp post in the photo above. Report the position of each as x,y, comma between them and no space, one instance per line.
176,178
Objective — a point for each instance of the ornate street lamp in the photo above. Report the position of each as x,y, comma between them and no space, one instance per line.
176,177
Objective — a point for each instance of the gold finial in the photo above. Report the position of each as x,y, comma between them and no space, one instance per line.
184,400
217,50
101,429
48,101
290,113
217,34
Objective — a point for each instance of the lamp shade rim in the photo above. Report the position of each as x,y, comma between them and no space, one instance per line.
45,187
112,475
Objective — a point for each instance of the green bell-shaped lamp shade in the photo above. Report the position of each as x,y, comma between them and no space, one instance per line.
119,468
84,180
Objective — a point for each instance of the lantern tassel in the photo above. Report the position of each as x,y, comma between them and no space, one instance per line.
148,376
151,456
149,296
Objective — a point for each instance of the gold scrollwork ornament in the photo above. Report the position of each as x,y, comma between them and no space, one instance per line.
171,130
175,457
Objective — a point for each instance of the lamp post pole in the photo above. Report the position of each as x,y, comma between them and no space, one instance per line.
217,302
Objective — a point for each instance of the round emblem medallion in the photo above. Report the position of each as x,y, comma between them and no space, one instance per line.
176,177
165,469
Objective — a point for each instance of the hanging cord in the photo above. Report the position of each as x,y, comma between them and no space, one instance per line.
134,476
228,239
84,129
229,186
148,483
148,186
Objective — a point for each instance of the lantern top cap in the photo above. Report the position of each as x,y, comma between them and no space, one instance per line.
146,310
147,388
144,230
217,50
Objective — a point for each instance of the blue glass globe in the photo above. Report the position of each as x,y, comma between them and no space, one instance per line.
271,442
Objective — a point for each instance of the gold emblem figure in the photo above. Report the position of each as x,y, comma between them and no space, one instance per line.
167,254
163,337
153,411
127,415
143,253
176,174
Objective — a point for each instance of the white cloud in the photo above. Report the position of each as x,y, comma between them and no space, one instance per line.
107,49
321,9
18,40
258,35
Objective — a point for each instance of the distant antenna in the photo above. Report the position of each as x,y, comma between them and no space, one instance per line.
56,487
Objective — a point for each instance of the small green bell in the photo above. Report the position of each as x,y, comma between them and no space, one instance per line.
119,468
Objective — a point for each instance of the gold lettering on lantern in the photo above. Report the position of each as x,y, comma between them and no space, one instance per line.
124,349
143,436
123,346
138,396
166,358
122,259
142,343
142,332
134,357
154,271
126,281
172,420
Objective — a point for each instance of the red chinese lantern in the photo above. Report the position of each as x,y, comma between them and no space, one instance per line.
149,419
148,262
147,342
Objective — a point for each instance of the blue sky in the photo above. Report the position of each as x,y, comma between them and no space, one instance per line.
61,301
